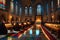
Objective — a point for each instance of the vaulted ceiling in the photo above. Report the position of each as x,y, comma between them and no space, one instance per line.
30,2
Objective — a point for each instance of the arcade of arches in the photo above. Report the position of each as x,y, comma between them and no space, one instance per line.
15,9
45,12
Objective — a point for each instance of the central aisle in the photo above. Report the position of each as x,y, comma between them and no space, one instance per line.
33,34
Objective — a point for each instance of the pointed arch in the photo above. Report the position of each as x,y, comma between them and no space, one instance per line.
38,9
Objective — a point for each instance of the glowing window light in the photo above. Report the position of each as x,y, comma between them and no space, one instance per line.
37,32
38,9
52,5
30,31
26,10
47,9
30,11
20,11
58,3
16,8
11,6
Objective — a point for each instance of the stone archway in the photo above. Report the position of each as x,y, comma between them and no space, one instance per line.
38,13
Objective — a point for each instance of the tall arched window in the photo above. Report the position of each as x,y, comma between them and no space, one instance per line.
30,11
47,9
38,9
20,12
26,11
16,7
11,6
52,5
58,3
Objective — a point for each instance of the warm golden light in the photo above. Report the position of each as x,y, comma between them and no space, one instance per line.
28,22
38,19
14,23
10,16
24,23
52,16
8,25
19,23
11,6
38,26
53,26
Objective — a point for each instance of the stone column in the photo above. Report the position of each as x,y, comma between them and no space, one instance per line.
7,8
34,13
23,14
18,9
49,11
14,12
55,10
45,13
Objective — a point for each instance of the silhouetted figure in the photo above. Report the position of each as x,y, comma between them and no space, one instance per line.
21,26
32,22
16,27
3,29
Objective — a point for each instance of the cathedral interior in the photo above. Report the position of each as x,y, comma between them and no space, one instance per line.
29,19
